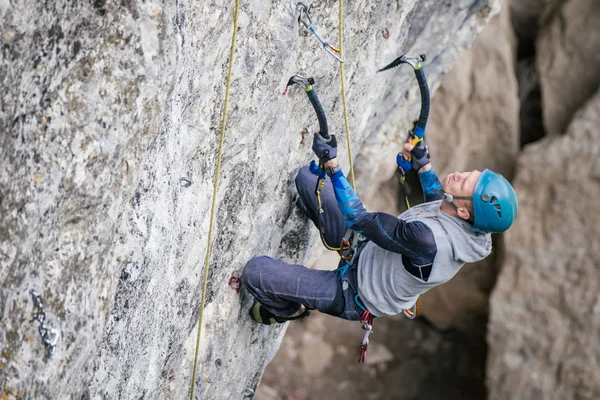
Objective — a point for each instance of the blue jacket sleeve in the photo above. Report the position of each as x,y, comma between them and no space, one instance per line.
414,240
431,185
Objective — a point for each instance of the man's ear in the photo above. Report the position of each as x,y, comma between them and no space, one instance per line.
463,213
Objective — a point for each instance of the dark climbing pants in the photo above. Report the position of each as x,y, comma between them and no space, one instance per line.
282,288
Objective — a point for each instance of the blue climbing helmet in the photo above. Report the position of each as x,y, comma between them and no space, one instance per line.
495,203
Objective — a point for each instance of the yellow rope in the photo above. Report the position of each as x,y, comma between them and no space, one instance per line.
214,197
342,77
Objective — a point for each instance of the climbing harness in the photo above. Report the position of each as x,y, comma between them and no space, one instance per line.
418,132
366,320
49,335
214,196
412,312
307,22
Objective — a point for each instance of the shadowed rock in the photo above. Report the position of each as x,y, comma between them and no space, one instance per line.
545,315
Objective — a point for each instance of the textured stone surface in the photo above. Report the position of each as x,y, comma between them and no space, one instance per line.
106,105
528,15
544,330
568,48
474,121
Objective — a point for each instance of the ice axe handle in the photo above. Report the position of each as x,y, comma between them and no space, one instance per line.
314,100
425,103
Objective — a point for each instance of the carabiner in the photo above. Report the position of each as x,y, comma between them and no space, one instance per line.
412,312
303,8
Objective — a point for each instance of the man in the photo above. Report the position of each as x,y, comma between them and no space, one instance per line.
402,257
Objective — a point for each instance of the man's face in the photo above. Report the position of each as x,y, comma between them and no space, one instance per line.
461,184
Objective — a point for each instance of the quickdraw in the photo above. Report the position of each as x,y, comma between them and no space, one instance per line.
307,22
49,335
366,320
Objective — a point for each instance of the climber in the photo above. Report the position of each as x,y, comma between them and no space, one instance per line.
402,257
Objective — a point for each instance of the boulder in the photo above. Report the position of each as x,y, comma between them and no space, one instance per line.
474,121
528,15
544,326
110,116
568,61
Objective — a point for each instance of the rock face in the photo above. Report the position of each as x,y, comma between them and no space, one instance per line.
474,118
528,15
568,61
550,276
105,106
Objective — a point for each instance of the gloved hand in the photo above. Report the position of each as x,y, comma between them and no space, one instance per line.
325,150
419,156
403,164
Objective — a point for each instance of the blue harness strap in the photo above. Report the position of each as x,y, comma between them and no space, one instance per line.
342,270
358,303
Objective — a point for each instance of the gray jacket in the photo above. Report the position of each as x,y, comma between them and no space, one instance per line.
384,285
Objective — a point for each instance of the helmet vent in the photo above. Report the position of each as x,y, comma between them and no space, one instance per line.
494,199
485,197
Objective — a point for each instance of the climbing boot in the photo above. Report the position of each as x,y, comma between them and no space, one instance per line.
263,316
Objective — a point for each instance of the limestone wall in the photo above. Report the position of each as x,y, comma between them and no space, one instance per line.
106,105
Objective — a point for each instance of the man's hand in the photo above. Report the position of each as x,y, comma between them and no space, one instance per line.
421,160
403,163
420,155
325,150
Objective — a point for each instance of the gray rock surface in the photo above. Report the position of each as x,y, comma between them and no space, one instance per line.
106,105
544,329
568,49
475,119
528,15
